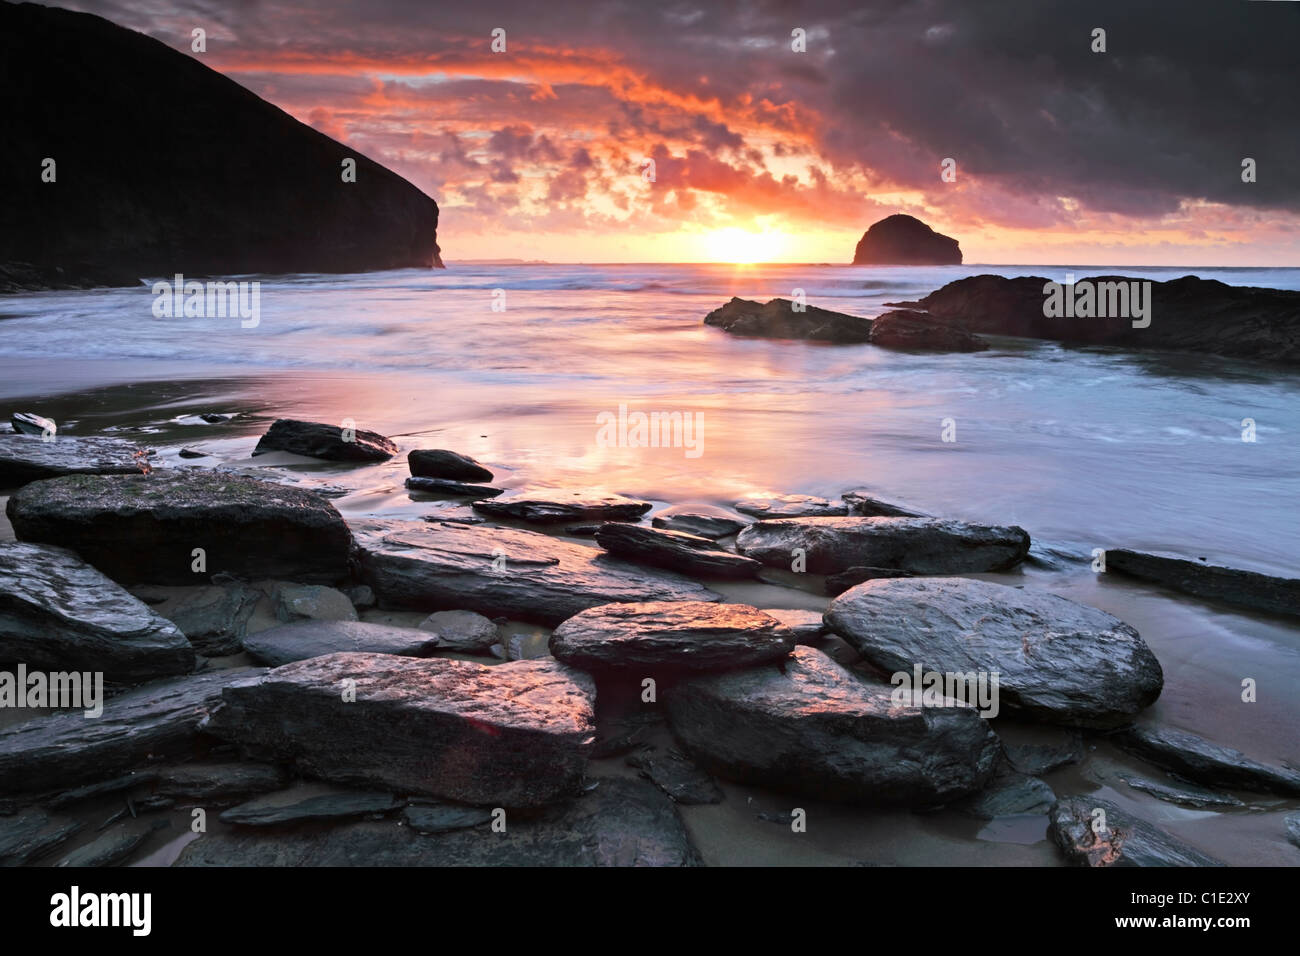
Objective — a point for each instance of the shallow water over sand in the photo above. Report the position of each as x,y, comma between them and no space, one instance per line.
1083,448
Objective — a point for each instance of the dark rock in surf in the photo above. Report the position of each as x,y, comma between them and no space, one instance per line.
328,442
675,550
446,488
560,507
917,331
777,319
707,521
441,463
1203,762
863,504
29,423
1248,589
791,506
26,458
1125,840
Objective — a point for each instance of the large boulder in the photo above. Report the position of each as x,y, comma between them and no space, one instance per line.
330,442
283,207
434,566
307,639
1187,314
674,550
905,241
510,735
1248,589
670,635
59,613
908,329
1197,759
808,726
145,528
155,720
778,319
25,458
918,545
1124,840
1056,660
620,823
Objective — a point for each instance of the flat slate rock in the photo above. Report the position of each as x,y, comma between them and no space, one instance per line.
318,440
25,458
808,726
114,847
444,817
154,720
1183,795
33,833
311,602
1009,794
863,504
1248,589
560,507
707,521
676,776
791,506
837,584
59,613
622,822
1037,759
675,550
446,487
778,319
1125,841
1206,763
808,627
1292,821
919,545
276,809
215,783
512,735
502,572
461,630
144,528
304,640
1056,660
672,635
441,463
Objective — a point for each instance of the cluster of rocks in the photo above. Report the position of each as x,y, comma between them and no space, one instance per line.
785,319
416,738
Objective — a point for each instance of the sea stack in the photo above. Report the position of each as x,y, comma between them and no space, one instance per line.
248,188
905,241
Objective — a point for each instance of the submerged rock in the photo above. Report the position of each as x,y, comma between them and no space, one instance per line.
620,823
461,630
919,545
502,572
29,423
26,458
906,241
777,319
1248,589
441,463
154,720
1184,795
1203,762
513,735
674,550
275,810
863,504
447,488
808,726
672,635
837,584
59,613
304,640
444,818
907,329
1125,840
707,521
1056,660
791,506
329,442
559,508
145,528
114,847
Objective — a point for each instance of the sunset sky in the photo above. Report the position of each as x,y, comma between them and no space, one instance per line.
1063,155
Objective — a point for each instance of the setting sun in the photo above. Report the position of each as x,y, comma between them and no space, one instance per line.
737,245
